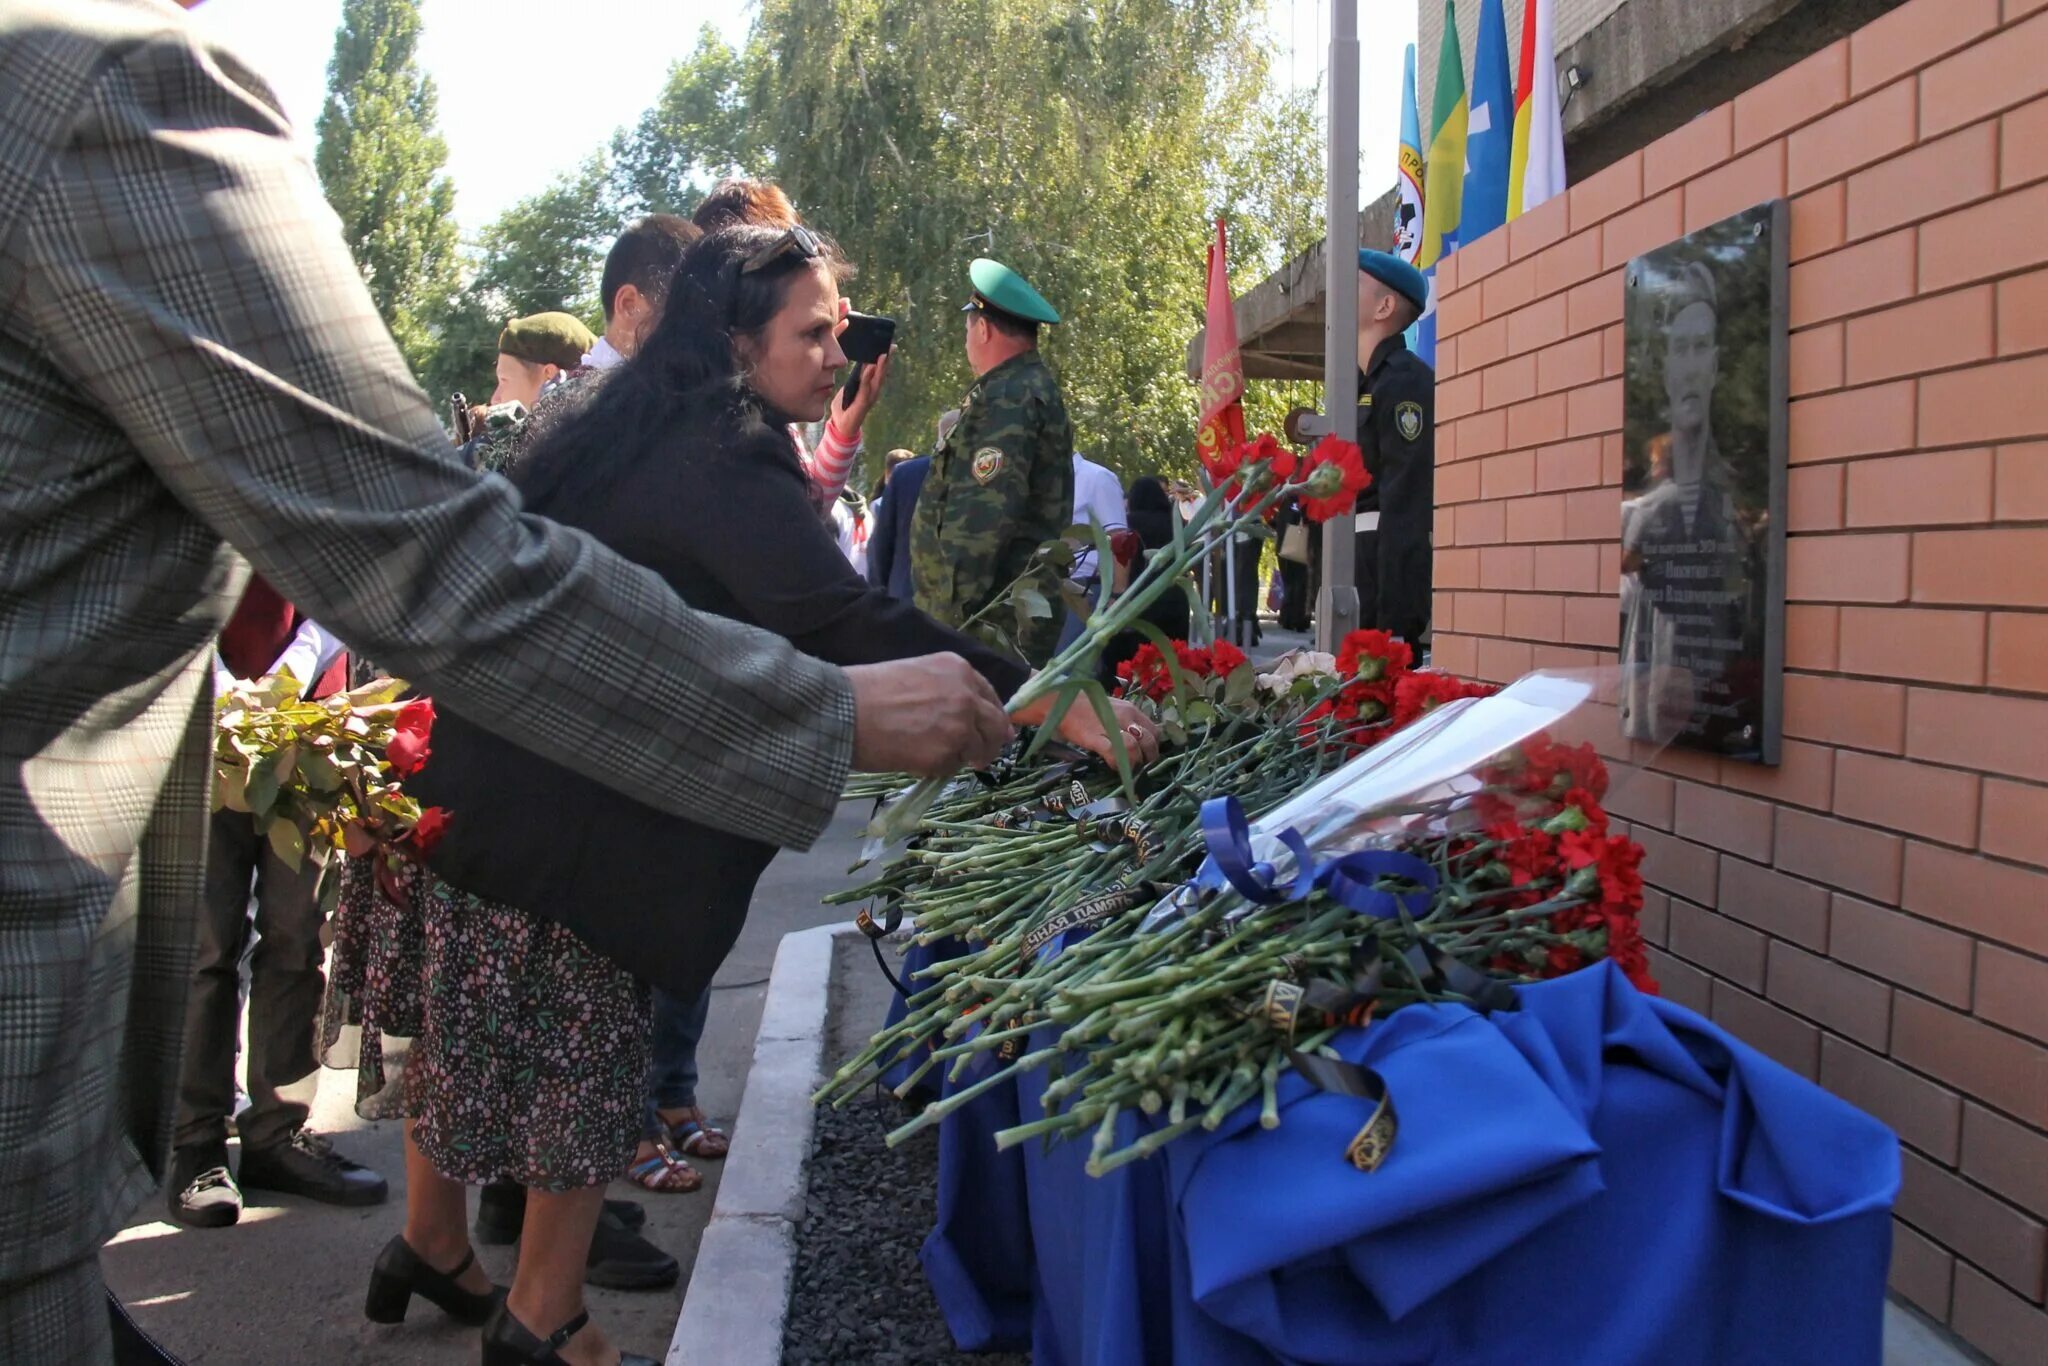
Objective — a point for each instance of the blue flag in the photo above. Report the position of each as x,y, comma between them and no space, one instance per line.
1490,128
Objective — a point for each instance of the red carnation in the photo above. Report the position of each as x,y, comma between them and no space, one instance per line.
1267,449
1224,658
433,824
1350,479
1145,672
1418,693
411,729
1372,655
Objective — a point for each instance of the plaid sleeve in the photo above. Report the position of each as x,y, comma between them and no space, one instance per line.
188,278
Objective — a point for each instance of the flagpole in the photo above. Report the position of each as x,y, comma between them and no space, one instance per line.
1337,603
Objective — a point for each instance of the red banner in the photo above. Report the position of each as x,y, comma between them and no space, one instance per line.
1222,364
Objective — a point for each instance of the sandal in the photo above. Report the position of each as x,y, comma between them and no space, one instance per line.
697,1136
664,1173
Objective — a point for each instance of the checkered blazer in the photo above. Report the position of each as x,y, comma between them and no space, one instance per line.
191,372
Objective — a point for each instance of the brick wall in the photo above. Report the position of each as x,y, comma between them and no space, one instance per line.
1874,912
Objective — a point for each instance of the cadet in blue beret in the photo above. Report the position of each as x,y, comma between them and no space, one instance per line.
1397,429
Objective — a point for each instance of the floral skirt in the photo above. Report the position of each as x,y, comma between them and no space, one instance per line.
519,1052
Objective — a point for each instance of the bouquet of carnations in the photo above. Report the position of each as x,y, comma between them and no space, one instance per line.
315,776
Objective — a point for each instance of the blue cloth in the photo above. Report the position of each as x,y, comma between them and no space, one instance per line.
889,538
672,1060
1599,1177
1489,129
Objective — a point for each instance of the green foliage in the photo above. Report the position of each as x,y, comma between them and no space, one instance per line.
695,133
380,158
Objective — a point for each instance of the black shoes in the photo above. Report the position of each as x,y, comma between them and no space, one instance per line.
508,1342
400,1273
501,1213
203,1194
307,1165
621,1259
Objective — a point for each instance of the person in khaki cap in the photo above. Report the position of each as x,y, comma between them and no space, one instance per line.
534,352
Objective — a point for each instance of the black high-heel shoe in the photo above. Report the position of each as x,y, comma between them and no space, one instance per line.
401,1273
508,1342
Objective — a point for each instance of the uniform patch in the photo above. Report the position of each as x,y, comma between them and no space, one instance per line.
1408,419
988,463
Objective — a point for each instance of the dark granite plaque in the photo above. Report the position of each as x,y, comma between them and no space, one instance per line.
1703,490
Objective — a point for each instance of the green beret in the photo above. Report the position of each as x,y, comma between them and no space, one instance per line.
1397,275
546,339
998,287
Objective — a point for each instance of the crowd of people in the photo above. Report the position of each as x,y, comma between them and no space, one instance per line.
217,469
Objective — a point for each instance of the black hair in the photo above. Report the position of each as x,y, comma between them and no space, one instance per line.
645,256
1010,325
686,376
1150,511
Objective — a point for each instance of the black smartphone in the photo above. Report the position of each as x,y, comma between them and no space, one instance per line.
867,337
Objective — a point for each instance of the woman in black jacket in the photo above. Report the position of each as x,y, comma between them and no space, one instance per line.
557,901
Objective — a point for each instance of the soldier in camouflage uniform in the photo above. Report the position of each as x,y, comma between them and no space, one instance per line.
1002,482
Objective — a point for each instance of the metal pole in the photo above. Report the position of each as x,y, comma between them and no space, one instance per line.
1337,603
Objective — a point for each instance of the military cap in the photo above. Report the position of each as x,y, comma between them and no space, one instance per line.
1396,274
1002,290
546,339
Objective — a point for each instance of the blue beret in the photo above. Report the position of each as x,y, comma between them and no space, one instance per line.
1396,274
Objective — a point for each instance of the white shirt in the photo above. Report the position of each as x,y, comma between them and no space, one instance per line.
312,649
603,356
1098,494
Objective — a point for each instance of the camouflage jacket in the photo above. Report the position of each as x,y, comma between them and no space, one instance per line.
1000,485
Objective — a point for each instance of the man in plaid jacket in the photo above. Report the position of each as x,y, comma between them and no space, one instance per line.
189,362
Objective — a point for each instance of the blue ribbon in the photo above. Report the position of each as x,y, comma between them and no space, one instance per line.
1351,879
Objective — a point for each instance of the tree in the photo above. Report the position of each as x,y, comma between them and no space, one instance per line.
380,162
695,133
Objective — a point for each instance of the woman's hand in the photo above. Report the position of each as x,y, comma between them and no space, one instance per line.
848,418
1081,728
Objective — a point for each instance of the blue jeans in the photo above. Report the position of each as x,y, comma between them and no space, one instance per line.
672,1072
1071,632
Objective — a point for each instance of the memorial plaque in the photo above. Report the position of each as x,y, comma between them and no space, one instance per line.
1703,490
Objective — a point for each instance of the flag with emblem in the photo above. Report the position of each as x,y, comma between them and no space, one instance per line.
1489,129
1222,423
1408,214
1444,176
1536,165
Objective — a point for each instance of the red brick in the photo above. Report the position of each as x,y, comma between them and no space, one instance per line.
1549,656
1507,566
2005,567
2006,1158
1539,519
1820,220
1869,568
1839,854
1447,358
1443,526
1507,476
1928,1116
1447,275
1540,324
1483,345
1479,523
1853,422
2005,735
1569,364
1996,900
1726,820
1479,614
1570,262
1779,905
2012,991
1913,643
1996,1321
1996,237
1812,636
1614,351
1980,81
1769,1030
1802,92
1647,226
2023,311
1690,149
2021,483
1916,338
1829,994
2015,822
1681,982
1592,621
2001,1069
1594,409
1509,382
1457,483
1458,654
1804,776
1655,918
1535,616
1922,1271
1817,360
1504,292
1718,944
1873,128
1566,569
1933,803
1679,866
1456,311
1913,35
1989,1232
1899,948
1742,184
1921,490
1933,178
1607,192
1480,258
1502,661
1865,276
1593,514
2023,138
1483,434
1846,711
1456,569
1813,498
1571,465
1645,797
1539,227
1538,422
1610,564
1687,763
1596,303
1457,397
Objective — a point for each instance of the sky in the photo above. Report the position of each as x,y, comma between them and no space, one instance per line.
484,55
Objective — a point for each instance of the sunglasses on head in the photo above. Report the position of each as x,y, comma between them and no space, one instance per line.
798,240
